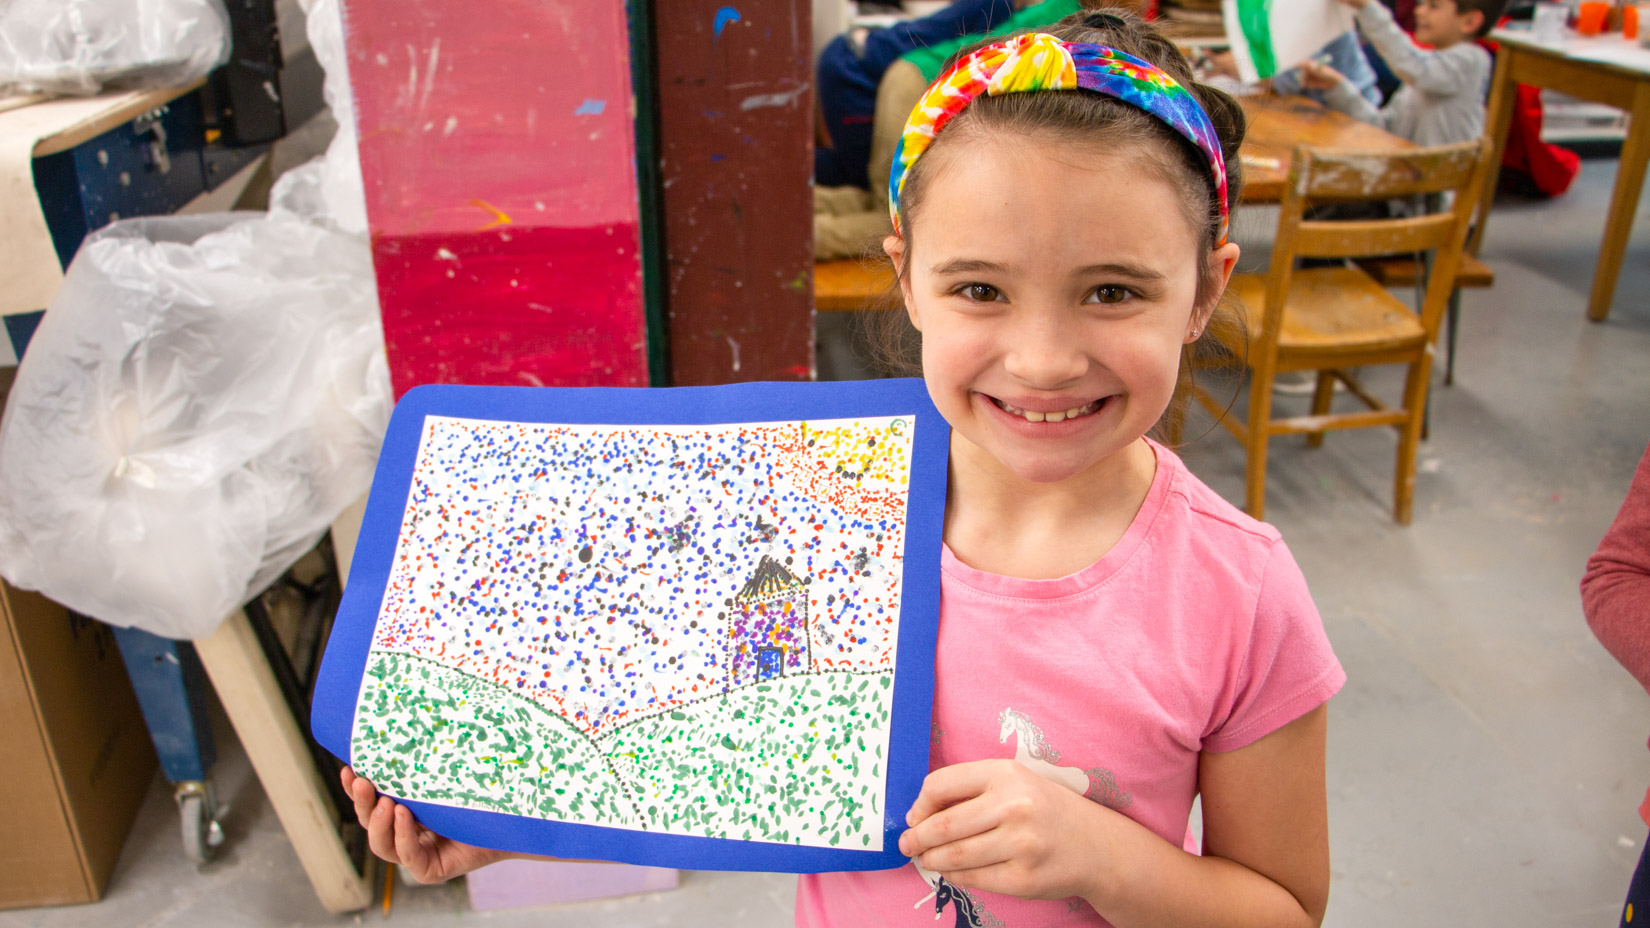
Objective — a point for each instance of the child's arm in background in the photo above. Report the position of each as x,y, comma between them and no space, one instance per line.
1440,73
996,826
1615,593
1341,94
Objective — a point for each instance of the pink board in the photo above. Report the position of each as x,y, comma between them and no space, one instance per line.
499,158
520,884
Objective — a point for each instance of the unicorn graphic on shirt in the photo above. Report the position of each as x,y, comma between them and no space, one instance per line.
969,910
1032,750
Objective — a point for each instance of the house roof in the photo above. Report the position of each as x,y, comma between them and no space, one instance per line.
770,580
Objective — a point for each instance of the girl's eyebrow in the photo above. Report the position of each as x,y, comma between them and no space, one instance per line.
968,266
1122,269
1111,269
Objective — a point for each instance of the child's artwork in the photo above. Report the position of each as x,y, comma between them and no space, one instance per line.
689,627
1269,36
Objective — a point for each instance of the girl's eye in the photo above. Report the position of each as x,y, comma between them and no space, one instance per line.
1110,294
981,293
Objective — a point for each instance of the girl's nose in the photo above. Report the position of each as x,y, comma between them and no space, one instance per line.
1044,353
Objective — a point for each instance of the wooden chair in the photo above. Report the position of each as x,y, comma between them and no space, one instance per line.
1407,271
1334,319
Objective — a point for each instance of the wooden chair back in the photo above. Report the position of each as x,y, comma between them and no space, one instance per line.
1317,176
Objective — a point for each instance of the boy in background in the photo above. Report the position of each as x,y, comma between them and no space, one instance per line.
1442,97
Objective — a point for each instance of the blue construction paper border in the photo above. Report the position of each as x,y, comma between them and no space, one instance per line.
338,684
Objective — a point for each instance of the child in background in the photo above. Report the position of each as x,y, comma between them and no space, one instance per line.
850,222
1114,638
1442,97
1615,595
850,68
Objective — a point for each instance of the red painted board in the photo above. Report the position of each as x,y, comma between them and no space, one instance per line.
736,124
498,152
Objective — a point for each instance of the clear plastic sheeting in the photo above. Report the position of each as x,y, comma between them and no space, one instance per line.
328,189
84,46
203,397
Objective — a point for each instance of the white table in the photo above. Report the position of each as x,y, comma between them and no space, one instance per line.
1604,69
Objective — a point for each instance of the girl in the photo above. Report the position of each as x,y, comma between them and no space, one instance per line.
1114,638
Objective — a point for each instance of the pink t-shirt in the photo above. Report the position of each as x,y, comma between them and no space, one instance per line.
1195,633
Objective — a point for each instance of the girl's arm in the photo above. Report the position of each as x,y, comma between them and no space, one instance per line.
1265,843
996,826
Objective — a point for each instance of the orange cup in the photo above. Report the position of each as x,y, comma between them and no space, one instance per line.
1591,15
1630,21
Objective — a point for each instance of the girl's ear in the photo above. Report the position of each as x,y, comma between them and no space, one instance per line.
895,248
1221,263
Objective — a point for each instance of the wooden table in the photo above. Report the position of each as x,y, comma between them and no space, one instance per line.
1605,70
1278,124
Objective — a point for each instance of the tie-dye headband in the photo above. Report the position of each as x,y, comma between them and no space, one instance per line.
1042,62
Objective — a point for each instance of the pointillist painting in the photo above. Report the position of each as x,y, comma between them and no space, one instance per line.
686,629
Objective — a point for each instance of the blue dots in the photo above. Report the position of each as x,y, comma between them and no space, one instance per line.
672,523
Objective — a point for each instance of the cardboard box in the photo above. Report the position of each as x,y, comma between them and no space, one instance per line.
75,757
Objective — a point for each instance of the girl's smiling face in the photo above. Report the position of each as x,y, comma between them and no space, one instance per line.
1054,285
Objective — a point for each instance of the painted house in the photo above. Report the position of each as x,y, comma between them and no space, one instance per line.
768,626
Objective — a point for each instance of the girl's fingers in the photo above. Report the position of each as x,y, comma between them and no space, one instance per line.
948,786
980,851
952,824
364,796
414,854
381,830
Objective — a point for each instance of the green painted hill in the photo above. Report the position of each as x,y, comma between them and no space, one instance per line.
797,760
424,731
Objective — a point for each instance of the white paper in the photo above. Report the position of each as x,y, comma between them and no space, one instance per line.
679,629
1269,36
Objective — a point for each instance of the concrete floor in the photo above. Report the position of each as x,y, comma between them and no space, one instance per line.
1486,757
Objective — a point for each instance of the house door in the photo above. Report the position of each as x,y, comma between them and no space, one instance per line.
770,663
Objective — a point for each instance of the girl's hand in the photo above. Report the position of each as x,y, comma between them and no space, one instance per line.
396,836
995,825
1315,75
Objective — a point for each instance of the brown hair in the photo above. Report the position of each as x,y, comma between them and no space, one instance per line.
1088,118
1492,10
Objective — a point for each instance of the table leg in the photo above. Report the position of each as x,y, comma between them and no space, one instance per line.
1497,120
1624,202
280,756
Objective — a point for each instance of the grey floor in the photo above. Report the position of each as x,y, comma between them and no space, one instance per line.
1486,758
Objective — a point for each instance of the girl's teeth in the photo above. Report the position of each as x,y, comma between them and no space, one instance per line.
1034,416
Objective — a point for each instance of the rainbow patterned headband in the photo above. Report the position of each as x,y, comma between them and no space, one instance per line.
1042,62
